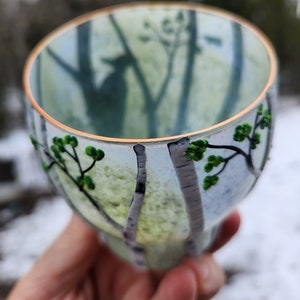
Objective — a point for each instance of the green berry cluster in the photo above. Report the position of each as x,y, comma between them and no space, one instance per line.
59,146
66,147
62,153
266,117
255,140
86,181
95,154
210,181
196,150
213,161
242,132
35,143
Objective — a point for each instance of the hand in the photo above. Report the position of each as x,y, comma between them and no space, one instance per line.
78,266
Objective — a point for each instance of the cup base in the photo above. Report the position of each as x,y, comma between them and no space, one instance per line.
159,256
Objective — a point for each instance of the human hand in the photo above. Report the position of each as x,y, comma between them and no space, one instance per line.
78,266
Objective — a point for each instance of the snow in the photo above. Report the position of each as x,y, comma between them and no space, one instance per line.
27,237
24,159
262,259
265,253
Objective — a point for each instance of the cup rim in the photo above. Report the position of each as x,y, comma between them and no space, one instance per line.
136,5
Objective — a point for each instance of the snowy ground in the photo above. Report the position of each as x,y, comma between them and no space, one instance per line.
263,259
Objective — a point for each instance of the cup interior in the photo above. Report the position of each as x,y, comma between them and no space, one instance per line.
149,71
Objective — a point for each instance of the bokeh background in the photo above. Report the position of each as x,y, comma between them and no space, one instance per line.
23,187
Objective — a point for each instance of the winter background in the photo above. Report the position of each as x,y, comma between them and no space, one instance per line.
262,262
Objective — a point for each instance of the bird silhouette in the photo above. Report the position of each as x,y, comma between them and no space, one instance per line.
107,110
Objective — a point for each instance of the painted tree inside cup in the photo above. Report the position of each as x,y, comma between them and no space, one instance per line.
106,103
172,34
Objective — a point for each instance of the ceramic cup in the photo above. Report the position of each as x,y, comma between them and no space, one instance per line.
154,121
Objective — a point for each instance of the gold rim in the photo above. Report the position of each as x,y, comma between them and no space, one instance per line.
118,8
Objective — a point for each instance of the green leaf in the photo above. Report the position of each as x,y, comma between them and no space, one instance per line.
201,143
59,158
57,154
242,132
45,166
208,167
59,143
71,140
35,143
100,155
260,109
196,150
266,120
90,151
91,186
79,180
255,141
210,181
86,181
96,154
54,149
215,160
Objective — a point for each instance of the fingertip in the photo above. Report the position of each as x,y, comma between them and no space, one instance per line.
177,284
233,222
201,277
209,276
229,228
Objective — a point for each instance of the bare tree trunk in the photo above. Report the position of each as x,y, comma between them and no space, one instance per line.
187,176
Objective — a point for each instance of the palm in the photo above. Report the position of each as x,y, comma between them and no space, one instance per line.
77,266
104,276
